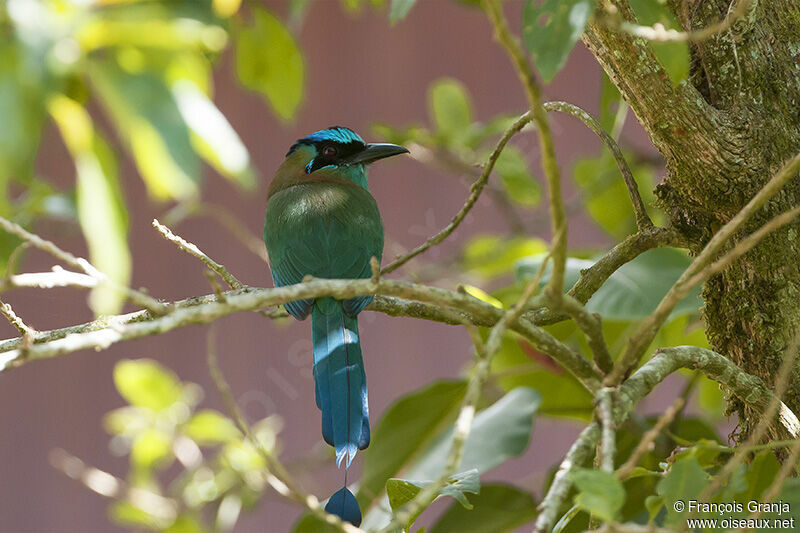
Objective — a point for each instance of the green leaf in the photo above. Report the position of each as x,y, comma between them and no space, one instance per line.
684,481
101,209
654,504
674,57
551,29
497,509
599,493
145,383
268,60
498,433
493,255
213,138
150,448
402,491
513,170
634,290
408,425
127,514
451,109
209,427
148,118
399,9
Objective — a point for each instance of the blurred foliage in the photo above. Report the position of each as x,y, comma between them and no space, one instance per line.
191,470
550,30
148,63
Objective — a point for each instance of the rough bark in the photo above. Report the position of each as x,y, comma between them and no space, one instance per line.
723,134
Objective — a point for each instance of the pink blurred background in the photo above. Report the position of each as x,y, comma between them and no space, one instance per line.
359,71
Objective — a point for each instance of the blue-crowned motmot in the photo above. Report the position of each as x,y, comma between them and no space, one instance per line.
322,221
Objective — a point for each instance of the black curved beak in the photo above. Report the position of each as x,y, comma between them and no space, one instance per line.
375,151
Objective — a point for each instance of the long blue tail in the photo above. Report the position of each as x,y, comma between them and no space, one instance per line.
341,391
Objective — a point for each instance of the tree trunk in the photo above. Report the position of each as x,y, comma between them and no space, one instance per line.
724,133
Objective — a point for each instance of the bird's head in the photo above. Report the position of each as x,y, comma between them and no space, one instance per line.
336,153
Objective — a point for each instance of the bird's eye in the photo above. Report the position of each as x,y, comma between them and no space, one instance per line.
329,151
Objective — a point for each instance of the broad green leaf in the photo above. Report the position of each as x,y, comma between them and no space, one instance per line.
209,427
634,290
451,109
268,60
402,491
499,432
398,9
212,135
497,509
684,481
148,118
101,209
126,420
550,30
493,255
150,448
654,504
599,493
408,425
674,57
520,185
145,383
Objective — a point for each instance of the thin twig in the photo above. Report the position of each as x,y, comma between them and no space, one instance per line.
475,192
134,296
659,33
17,322
648,328
194,251
640,211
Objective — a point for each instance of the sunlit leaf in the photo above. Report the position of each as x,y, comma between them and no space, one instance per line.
127,514
550,30
210,427
599,493
402,491
145,112
145,383
398,9
268,60
482,295
101,209
226,8
150,448
213,136
497,509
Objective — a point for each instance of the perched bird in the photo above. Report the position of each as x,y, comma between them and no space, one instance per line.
321,220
